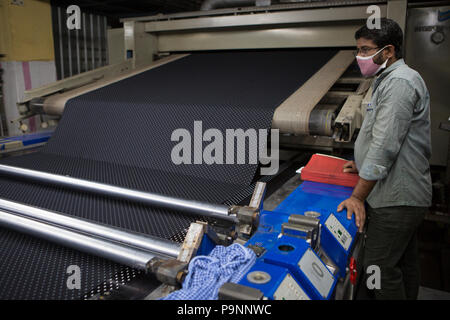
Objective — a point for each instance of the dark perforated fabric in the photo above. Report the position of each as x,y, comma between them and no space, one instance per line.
121,135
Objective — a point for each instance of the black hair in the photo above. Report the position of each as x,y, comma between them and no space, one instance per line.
388,33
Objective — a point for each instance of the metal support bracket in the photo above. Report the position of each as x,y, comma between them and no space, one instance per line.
348,119
352,112
169,271
235,291
304,227
193,240
173,271
248,216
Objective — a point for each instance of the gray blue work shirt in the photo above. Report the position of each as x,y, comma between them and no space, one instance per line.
394,144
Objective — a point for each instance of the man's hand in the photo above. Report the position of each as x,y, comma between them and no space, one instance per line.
350,167
356,206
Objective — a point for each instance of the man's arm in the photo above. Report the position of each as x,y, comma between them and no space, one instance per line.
388,133
355,204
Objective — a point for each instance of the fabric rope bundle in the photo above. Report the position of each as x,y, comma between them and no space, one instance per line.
206,274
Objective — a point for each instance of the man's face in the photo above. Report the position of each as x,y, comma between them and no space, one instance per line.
366,47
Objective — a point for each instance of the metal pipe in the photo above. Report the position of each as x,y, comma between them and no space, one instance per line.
216,211
125,255
144,242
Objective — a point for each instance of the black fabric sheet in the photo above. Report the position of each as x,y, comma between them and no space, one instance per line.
121,135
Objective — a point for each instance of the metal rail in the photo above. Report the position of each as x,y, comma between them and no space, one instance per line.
154,245
216,211
254,9
122,254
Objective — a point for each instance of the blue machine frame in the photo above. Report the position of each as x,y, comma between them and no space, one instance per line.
26,140
288,267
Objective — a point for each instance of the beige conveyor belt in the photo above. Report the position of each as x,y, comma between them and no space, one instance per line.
292,116
54,105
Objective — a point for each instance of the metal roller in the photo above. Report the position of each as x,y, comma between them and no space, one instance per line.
152,244
298,219
215,211
122,254
321,120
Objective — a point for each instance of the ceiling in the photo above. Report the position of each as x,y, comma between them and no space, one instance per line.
131,8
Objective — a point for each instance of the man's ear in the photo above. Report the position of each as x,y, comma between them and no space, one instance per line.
390,51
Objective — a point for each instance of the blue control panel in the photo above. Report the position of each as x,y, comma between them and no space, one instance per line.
294,267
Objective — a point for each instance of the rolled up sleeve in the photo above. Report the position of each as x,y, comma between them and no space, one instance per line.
391,125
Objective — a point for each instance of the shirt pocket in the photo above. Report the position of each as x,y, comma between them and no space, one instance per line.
368,122
369,118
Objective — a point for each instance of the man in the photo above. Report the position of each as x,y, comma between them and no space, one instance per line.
391,157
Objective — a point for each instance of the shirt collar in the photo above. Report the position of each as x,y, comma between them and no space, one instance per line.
391,68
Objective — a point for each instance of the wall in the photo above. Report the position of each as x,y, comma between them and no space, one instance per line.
26,40
26,31
116,45
19,76
427,51
78,51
